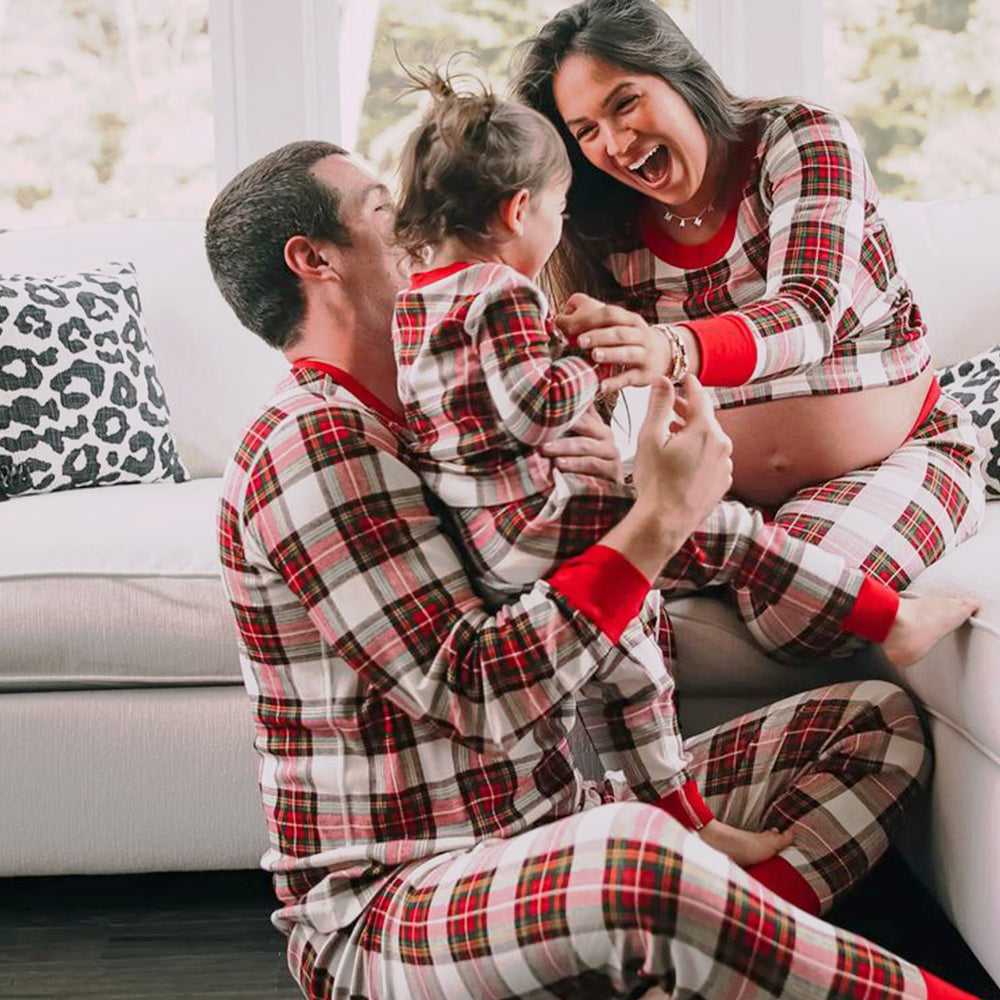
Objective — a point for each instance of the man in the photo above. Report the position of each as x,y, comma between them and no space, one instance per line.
431,835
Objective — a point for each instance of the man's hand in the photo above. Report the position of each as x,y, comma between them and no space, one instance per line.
617,339
589,448
683,468
744,847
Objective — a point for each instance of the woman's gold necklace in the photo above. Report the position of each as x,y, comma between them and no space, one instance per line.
682,220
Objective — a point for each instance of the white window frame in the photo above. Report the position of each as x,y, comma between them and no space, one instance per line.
299,68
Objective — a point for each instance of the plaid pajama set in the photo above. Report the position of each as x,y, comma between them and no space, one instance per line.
798,294
431,836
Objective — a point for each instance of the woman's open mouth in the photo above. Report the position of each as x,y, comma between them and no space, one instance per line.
653,167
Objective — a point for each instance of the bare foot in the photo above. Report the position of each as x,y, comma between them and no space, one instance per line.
920,623
745,847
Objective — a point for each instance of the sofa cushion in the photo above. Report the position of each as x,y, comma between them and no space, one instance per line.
975,383
114,587
215,373
958,680
80,400
947,251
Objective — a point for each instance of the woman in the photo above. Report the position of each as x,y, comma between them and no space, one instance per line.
748,232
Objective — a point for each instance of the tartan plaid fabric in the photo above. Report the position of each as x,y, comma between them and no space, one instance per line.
892,520
457,324
396,718
811,272
484,380
619,896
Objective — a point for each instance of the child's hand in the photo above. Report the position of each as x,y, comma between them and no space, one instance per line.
627,348
745,847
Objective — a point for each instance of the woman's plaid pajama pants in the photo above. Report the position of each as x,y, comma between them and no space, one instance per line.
620,897
891,520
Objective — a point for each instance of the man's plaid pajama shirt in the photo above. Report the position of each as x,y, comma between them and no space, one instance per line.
430,833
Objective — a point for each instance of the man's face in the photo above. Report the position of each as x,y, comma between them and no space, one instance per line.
373,270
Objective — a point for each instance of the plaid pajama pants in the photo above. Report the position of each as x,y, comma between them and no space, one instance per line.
619,897
891,520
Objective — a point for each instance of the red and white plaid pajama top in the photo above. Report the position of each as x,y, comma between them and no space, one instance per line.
799,293
408,738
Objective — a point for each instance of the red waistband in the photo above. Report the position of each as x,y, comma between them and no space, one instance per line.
930,401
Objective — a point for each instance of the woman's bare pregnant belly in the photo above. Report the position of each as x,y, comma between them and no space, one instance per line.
781,445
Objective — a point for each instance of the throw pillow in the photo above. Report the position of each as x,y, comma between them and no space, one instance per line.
976,384
80,401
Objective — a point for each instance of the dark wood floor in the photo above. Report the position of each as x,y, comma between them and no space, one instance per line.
207,936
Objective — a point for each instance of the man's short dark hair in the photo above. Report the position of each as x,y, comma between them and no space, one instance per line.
252,219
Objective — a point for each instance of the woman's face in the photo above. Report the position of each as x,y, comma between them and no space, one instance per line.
635,127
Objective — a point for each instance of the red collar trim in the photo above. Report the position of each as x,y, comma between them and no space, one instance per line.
681,254
352,385
420,278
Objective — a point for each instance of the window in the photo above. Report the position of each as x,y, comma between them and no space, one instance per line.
921,81
107,110
427,34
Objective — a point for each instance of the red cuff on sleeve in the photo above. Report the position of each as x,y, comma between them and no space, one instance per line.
728,350
687,806
603,585
873,612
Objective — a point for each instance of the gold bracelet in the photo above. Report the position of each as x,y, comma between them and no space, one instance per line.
679,357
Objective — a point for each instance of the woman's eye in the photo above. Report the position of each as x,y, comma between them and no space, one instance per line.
626,103
584,132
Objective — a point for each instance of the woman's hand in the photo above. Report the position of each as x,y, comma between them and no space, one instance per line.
745,847
616,338
589,448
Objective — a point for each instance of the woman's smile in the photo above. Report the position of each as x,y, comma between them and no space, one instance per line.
635,127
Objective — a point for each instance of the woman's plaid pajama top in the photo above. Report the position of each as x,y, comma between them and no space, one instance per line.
799,293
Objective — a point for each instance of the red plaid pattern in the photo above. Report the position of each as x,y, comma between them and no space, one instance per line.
810,277
620,896
483,381
396,718
456,325
892,520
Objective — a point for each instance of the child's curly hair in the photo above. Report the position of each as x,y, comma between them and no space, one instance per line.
470,151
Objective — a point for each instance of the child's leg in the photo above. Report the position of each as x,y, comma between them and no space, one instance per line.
628,710
600,904
891,520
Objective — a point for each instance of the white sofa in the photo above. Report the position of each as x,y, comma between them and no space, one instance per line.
124,729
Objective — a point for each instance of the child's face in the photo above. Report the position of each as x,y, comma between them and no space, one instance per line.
542,227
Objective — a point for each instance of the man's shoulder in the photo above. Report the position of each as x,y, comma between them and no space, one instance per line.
314,414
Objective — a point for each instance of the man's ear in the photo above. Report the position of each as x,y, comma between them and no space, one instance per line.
513,210
311,260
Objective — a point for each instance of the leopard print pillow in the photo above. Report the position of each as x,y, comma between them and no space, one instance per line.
976,384
80,402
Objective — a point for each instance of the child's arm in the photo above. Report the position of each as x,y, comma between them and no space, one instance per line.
537,394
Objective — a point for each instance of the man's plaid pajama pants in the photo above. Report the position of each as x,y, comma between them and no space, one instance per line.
620,897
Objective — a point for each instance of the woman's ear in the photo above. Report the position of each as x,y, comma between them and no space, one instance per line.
309,259
513,210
